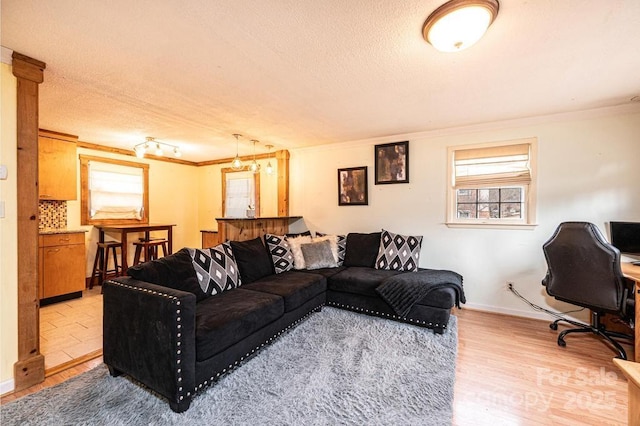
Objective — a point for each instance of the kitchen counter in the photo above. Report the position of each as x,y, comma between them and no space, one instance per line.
53,231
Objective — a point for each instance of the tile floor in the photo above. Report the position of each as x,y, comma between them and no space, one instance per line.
71,329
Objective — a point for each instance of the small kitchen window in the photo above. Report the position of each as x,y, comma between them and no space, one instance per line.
492,185
113,191
240,193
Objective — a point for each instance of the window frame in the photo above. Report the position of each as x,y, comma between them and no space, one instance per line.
85,218
256,187
528,200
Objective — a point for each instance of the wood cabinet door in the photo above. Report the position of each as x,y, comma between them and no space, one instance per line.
57,169
63,270
210,239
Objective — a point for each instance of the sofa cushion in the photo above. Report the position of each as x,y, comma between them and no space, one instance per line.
362,249
253,259
173,271
216,268
231,316
327,272
280,252
398,252
318,254
359,280
294,286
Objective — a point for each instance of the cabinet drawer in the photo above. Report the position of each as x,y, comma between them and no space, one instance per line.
62,239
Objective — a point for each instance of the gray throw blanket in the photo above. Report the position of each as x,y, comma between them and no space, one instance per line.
402,291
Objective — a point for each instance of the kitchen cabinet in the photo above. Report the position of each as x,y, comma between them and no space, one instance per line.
209,238
62,265
57,166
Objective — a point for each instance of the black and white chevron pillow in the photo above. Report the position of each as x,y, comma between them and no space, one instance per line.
281,254
216,268
398,252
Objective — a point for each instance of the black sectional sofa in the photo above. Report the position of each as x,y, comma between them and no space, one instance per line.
163,328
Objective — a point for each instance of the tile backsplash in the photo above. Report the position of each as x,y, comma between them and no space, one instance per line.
53,214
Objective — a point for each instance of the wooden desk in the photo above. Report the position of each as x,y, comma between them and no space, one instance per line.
631,371
126,229
633,272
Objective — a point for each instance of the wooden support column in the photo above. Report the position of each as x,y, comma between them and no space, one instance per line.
283,182
29,369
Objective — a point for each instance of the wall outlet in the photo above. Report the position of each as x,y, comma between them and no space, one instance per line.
509,285
3,172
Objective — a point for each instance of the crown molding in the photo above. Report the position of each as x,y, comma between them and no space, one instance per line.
627,108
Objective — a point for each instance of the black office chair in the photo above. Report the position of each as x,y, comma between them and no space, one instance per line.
584,270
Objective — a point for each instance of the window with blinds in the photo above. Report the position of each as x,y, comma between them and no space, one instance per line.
113,191
492,183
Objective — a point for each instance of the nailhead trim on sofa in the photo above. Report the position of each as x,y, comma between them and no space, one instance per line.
357,309
177,325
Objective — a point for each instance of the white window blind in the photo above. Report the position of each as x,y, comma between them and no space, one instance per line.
240,194
115,191
495,165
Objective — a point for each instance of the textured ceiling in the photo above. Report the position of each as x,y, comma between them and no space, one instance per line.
298,73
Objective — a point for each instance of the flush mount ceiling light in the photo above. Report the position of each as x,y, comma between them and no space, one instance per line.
459,24
150,143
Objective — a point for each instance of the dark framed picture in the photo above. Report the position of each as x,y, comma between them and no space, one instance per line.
392,163
352,187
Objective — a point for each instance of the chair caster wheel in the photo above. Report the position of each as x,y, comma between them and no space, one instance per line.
553,326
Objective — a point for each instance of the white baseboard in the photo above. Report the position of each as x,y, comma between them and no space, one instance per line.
514,312
7,386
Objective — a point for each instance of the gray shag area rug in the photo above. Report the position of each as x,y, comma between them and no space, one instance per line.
337,367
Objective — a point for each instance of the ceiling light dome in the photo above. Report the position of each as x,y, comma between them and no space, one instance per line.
459,24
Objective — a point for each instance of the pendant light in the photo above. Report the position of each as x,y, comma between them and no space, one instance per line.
236,164
254,166
269,168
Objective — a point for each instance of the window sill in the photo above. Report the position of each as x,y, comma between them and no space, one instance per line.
491,225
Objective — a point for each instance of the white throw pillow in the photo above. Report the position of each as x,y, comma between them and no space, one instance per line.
294,245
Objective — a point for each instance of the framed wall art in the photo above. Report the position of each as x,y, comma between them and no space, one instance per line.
352,187
392,163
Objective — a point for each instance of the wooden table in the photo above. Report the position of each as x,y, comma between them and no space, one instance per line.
632,271
126,229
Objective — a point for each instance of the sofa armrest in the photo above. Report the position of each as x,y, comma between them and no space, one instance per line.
149,334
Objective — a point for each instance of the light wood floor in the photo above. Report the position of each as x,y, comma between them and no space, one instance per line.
510,371
71,329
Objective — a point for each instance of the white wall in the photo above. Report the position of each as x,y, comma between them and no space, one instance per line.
588,169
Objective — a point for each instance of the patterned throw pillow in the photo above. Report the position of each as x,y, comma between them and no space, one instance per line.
280,252
216,268
398,252
341,241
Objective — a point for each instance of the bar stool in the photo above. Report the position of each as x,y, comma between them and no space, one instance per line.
150,249
101,262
